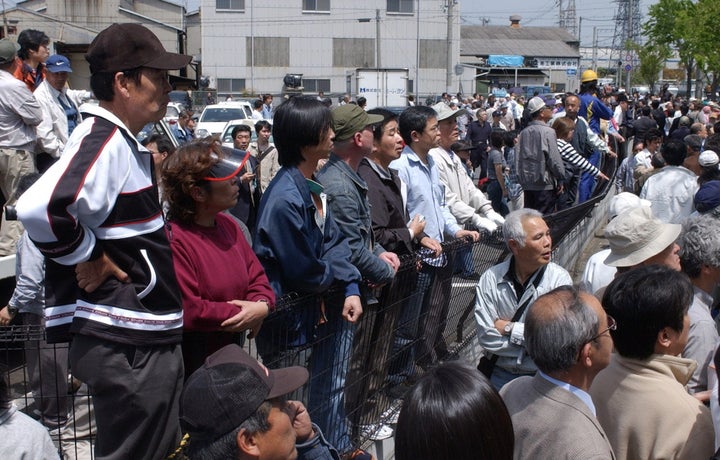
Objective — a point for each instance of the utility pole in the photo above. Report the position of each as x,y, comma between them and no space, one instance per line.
629,49
450,56
377,38
594,50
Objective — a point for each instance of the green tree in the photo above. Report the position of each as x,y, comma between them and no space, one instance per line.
652,58
705,40
669,23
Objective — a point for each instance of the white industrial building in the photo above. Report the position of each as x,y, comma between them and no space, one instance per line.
248,46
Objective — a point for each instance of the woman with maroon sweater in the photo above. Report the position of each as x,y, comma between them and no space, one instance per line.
224,287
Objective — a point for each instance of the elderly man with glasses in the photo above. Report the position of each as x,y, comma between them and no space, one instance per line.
567,335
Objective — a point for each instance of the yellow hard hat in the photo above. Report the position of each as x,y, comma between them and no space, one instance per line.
588,75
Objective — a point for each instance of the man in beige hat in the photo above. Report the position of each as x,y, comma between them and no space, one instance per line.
466,202
110,281
637,238
596,273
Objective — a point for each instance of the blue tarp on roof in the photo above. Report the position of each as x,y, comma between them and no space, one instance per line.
505,60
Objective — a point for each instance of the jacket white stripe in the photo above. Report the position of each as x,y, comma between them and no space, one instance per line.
59,315
128,319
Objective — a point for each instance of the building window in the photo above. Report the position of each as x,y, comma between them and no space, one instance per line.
315,85
400,6
234,5
269,51
316,5
230,85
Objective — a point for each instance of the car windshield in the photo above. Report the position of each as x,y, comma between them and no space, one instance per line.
224,114
172,111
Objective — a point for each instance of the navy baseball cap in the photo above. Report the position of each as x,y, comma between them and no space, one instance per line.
58,63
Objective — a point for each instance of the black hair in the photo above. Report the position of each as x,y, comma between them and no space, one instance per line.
653,134
30,39
589,87
414,119
262,124
712,142
454,413
362,101
643,301
509,138
164,145
674,152
299,122
646,111
387,115
496,139
257,103
238,128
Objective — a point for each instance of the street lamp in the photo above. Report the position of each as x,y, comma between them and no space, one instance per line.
377,35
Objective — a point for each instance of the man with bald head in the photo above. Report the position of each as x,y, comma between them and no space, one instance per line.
567,334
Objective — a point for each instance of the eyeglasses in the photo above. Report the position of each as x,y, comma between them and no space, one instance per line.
612,326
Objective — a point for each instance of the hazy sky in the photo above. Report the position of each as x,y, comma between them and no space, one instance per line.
534,13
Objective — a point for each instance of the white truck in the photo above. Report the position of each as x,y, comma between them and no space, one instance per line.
382,87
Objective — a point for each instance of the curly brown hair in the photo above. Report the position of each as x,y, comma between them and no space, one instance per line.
185,169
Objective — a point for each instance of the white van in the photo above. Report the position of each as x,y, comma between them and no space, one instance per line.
214,117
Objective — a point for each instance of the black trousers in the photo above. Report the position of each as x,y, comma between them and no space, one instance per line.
541,200
136,394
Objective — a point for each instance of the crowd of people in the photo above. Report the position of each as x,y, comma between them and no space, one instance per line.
328,248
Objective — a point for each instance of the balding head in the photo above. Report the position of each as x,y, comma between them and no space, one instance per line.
560,325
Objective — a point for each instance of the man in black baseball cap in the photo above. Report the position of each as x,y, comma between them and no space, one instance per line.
234,407
95,216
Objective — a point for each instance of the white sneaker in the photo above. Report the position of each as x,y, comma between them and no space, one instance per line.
376,431
391,414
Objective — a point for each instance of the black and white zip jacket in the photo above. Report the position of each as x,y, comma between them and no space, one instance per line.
101,197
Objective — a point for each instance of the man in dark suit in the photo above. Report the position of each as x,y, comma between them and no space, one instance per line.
567,334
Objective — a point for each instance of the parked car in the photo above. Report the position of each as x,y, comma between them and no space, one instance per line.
161,127
215,117
173,112
182,98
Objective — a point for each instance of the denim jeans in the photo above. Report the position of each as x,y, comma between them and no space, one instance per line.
587,180
328,369
464,263
494,191
500,377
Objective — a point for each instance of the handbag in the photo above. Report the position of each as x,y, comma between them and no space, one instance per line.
487,361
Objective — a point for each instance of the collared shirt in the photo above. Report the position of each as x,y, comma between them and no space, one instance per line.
671,191
20,113
583,395
497,297
426,196
29,293
702,339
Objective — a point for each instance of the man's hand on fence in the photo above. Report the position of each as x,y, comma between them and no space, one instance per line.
392,259
352,308
91,274
433,245
474,236
6,316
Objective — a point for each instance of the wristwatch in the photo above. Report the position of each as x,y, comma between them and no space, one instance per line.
508,328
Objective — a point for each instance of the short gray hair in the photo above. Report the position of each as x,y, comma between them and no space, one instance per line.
513,229
700,244
226,445
554,341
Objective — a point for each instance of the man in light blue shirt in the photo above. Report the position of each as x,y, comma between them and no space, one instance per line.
567,334
423,321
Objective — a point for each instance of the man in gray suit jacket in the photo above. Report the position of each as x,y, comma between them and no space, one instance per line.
567,334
